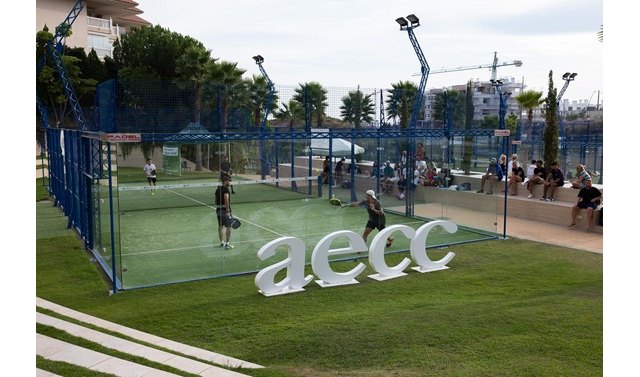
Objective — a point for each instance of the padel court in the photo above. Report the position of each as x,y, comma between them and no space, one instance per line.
170,234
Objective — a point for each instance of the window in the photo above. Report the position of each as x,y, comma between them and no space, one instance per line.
100,43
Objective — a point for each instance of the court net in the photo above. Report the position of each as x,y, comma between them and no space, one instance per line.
139,197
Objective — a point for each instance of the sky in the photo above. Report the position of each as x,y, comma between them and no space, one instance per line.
342,43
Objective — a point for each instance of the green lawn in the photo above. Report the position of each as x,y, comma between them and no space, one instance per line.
504,308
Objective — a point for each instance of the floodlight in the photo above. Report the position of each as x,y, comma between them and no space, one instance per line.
403,23
258,58
573,76
415,22
566,75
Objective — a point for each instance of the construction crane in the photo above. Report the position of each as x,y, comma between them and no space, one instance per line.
493,66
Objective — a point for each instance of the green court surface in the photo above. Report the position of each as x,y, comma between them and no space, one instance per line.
174,244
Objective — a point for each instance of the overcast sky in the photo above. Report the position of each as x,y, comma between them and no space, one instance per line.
357,42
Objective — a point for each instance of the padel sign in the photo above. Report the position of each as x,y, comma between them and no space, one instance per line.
294,264
501,132
122,138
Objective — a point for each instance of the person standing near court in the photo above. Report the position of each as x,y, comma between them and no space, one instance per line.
223,213
225,171
339,170
150,169
377,218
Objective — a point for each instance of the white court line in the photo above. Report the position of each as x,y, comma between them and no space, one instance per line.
238,242
241,219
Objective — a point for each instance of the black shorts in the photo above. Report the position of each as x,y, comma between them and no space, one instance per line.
375,225
223,217
585,205
151,179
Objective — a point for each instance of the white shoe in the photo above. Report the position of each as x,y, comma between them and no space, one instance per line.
221,244
228,246
529,196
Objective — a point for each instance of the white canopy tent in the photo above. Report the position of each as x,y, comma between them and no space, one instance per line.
340,147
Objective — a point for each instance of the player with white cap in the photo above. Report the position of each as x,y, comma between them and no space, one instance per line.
377,219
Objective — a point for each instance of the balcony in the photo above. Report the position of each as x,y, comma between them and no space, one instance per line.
103,26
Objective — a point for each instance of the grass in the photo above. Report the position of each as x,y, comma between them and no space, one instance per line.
68,370
508,308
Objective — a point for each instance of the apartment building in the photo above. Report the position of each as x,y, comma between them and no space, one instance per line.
97,26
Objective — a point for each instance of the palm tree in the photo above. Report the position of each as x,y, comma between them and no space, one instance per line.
601,34
291,112
313,94
529,100
258,95
228,78
400,101
457,102
357,108
194,67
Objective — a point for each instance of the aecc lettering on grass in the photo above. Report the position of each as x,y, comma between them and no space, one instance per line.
295,261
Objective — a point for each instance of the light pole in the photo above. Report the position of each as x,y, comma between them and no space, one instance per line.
502,110
408,24
567,77
264,164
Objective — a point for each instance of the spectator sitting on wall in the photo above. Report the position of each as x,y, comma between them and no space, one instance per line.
539,176
581,176
555,179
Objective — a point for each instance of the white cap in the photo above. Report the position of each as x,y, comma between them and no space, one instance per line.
371,193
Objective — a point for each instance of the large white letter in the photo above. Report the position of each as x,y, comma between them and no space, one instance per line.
419,244
376,253
320,259
294,263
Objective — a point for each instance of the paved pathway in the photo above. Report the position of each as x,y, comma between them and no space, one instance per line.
180,358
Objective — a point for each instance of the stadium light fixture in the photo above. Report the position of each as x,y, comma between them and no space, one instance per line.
415,22
403,23
259,59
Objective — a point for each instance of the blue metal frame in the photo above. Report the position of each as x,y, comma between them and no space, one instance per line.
264,163
424,71
55,49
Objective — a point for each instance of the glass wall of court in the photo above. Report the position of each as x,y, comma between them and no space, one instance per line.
144,235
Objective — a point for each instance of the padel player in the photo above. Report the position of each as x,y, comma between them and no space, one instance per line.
377,219
150,169
223,213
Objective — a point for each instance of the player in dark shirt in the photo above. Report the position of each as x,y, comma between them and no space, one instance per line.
589,198
223,213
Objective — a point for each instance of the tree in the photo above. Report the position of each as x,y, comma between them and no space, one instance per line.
490,122
511,123
400,101
193,69
291,112
458,105
601,34
230,88
49,86
529,100
315,96
259,94
357,108
468,125
550,151
150,52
